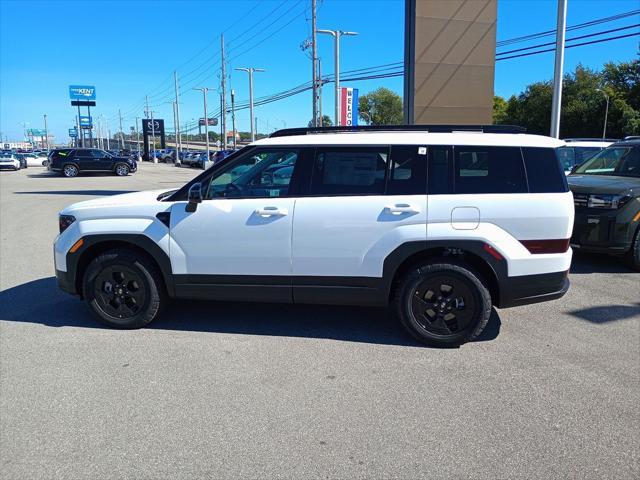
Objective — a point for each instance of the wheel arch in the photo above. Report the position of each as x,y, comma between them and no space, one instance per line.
94,245
408,255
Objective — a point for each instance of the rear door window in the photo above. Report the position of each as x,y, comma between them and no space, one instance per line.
408,174
488,170
349,171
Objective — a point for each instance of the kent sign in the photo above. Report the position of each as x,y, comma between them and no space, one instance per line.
82,92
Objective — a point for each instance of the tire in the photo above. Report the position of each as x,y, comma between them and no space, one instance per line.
428,295
123,289
70,171
633,257
121,170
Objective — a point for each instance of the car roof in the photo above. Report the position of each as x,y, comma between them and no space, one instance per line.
414,138
625,143
588,143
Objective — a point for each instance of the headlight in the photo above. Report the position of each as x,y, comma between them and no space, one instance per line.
607,201
64,221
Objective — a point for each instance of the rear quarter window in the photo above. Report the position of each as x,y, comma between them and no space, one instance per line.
544,172
487,169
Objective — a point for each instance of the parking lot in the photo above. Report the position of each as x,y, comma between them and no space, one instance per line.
216,390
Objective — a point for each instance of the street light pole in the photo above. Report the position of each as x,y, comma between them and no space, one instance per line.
250,71
233,117
559,66
204,91
46,131
336,37
606,112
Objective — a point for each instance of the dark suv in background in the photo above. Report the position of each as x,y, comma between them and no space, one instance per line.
606,192
73,161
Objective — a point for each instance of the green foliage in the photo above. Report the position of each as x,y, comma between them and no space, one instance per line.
381,107
326,121
583,103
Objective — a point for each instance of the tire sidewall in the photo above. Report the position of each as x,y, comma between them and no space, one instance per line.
152,295
119,165
73,168
481,298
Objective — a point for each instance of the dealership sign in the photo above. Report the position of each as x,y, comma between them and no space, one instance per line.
73,133
348,106
35,132
212,122
82,92
85,121
153,127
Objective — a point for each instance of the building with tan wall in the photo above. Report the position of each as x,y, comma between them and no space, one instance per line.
449,61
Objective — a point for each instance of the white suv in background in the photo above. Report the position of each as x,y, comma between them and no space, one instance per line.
441,222
579,150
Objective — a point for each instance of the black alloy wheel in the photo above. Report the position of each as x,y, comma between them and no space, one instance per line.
443,303
120,291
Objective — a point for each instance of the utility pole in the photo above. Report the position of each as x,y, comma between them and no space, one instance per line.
320,122
175,129
178,133
336,34
224,95
204,91
256,124
233,116
250,71
606,112
121,133
46,132
556,106
137,137
221,124
314,64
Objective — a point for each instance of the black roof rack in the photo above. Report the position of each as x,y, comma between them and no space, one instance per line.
287,132
586,139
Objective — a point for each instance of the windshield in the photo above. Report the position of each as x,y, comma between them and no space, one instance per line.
619,161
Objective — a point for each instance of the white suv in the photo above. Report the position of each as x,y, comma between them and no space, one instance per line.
440,223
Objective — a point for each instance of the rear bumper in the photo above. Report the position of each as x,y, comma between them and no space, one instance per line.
527,289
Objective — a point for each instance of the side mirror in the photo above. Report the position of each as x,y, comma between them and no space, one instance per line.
194,197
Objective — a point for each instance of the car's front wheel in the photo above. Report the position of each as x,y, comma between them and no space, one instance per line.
70,171
634,253
122,170
123,289
443,303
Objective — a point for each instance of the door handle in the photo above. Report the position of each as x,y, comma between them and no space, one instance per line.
399,208
271,212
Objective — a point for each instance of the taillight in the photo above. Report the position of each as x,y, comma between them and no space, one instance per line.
546,246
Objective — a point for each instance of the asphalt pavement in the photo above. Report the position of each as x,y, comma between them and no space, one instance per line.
235,390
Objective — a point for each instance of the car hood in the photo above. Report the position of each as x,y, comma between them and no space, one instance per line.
133,198
606,184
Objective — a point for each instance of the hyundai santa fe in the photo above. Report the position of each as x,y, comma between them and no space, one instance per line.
438,223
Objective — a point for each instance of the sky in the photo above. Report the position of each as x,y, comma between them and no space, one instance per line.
129,48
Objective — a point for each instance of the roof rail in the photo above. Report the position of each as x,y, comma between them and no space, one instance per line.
587,139
287,132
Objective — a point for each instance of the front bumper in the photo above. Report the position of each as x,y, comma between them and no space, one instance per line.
528,289
66,282
606,232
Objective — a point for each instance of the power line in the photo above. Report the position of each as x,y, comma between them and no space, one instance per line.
546,33
570,39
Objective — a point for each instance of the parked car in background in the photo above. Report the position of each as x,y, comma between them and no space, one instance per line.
33,160
606,193
73,161
9,161
579,150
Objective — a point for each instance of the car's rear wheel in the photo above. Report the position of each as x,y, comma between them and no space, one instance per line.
443,304
70,171
122,170
123,289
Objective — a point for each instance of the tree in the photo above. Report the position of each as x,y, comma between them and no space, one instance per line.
499,110
583,103
326,121
381,107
